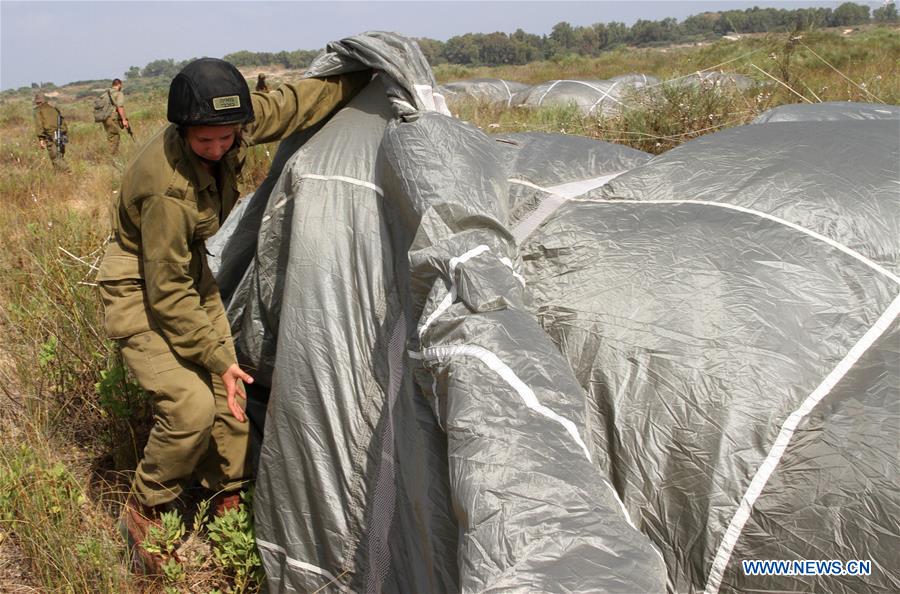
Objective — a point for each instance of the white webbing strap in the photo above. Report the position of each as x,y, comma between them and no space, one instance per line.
302,565
558,195
835,244
509,376
765,470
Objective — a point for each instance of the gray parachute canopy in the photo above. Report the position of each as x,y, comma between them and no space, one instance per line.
831,110
538,363
494,90
636,79
589,96
715,79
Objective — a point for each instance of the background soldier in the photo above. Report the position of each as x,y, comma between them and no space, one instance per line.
161,301
117,120
47,123
261,85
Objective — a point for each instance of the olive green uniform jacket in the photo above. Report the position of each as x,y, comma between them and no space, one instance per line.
154,274
113,123
45,121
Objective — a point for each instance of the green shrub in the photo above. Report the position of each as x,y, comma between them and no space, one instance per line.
234,545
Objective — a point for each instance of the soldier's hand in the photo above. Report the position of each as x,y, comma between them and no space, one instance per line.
125,123
231,378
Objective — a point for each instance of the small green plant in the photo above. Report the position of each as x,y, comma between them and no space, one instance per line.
48,352
234,545
164,539
200,516
173,571
118,394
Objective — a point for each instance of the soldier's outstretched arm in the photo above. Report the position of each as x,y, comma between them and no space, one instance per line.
301,105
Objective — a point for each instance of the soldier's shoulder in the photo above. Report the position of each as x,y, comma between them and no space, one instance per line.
158,168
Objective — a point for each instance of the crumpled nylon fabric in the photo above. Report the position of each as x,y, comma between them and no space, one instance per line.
576,383
382,467
828,111
731,308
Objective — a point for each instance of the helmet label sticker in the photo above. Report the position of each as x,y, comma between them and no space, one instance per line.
229,102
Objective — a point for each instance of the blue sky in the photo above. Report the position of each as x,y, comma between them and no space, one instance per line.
65,41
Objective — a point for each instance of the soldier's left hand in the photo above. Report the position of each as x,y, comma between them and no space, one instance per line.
231,378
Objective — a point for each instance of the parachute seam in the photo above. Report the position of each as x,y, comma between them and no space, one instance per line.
833,243
604,95
302,564
580,82
450,298
528,397
768,466
504,371
508,92
541,100
525,227
343,178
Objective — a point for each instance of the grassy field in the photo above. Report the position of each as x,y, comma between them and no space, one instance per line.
71,422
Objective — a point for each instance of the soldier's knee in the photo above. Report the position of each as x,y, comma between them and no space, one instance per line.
196,415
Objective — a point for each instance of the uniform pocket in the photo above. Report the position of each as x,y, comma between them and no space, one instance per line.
206,226
118,264
163,362
149,352
125,307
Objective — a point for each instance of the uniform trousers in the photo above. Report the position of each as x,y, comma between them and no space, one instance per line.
56,158
112,127
194,432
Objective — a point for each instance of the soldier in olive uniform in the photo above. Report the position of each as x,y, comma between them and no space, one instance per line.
161,301
46,121
117,119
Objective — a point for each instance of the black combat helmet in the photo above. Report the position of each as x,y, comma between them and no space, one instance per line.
209,92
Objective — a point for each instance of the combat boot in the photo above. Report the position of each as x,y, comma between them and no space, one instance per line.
226,501
135,524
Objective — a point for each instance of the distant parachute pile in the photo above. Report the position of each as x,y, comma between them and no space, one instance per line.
590,96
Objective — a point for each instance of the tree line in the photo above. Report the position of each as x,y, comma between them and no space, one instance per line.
495,49
294,60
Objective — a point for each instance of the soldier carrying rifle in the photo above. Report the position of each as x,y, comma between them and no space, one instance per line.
51,130
109,110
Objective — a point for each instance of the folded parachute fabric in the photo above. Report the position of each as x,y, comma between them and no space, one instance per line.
533,362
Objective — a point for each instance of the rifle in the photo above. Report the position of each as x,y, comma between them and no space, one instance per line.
60,138
122,124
